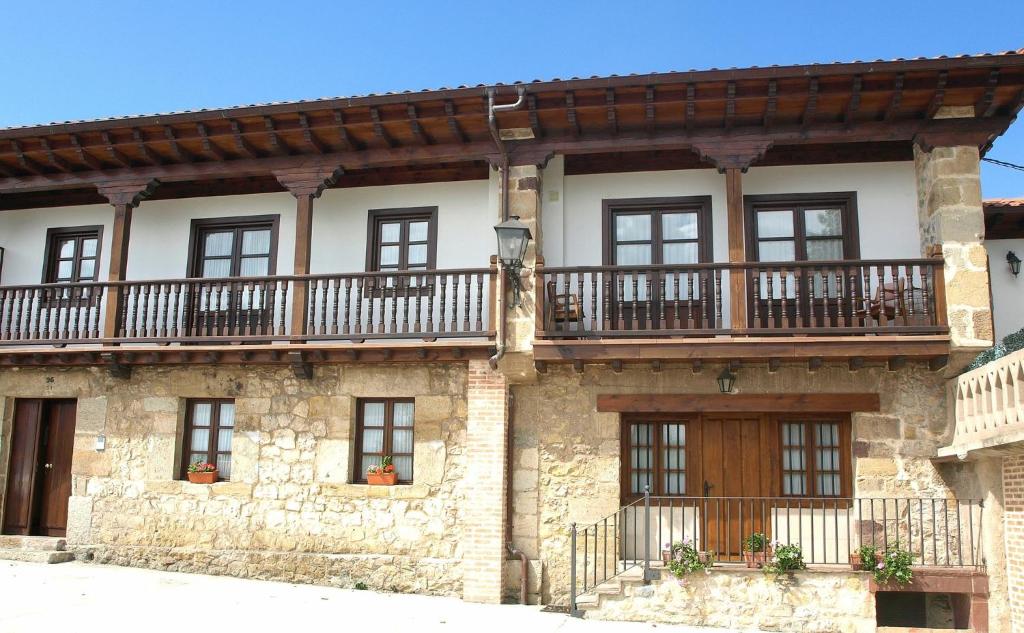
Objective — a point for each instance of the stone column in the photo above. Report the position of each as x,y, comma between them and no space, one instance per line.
524,200
483,524
953,224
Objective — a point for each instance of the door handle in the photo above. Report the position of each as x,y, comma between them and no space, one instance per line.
707,488
47,466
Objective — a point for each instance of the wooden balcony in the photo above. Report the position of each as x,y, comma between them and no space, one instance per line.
828,309
989,409
392,308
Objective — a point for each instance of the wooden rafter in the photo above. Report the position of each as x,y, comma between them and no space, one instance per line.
243,146
140,142
609,98
415,127
570,113
986,106
5,172
730,104
208,146
277,146
310,138
938,96
115,154
378,128
26,163
897,96
59,163
771,105
84,157
531,106
177,150
347,141
854,102
453,123
811,105
649,109
691,107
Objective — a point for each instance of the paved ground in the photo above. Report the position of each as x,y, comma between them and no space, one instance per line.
84,598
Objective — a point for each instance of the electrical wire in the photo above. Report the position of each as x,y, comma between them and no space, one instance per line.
1002,163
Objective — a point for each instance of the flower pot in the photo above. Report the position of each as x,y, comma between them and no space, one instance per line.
756,560
858,565
666,556
381,479
708,558
203,478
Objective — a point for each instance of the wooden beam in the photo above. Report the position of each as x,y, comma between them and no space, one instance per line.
897,362
115,154
277,146
302,369
453,123
347,142
986,106
773,365
378,128
177,151
415,127
854,103
147,154
938,363
310,137
856,363
656,366
649,109
938,96
771,105
730,105
815,363
26,163
609,99
243,146
811,105
570,113
541,367
84,157
737,252
578,366
59,163
697,366
617,366
897,96
208,146
739,403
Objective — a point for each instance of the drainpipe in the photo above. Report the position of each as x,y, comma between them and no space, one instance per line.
492,125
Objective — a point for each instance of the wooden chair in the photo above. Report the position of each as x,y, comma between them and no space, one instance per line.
890,299
563,308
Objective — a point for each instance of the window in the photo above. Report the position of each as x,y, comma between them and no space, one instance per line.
209,427
657,231
384,427
654,454
72,254
402,239
814,458
813,227
234,247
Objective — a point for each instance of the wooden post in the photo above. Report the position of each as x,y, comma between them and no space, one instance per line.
540,308
124,195
737,252
306,184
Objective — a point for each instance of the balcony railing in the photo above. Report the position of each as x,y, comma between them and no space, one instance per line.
937,532
989,406
813,298
352,306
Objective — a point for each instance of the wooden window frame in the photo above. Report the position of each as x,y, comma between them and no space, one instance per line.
625,494
610,208
186,442
846,201
810,446
51,255
237,224
377,217
358,476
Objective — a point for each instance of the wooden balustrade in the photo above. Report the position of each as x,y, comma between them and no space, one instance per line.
813,298
358,306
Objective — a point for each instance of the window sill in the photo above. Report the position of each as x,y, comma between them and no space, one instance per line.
366,491
185,487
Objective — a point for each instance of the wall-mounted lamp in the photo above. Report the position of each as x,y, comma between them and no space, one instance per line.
726,380
1014,262
513,237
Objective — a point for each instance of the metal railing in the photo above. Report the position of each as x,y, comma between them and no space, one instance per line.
351,306
904,296
943,532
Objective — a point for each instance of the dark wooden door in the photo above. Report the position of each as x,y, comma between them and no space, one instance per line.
39,483
734,467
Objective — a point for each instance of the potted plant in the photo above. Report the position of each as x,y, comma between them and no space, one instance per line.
756,550
382,474
671,551
894,567
866,558
202,473
785,560
685,559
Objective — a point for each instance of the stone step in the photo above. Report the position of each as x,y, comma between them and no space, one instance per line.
37,543
36,556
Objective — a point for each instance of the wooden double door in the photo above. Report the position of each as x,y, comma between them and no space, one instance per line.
39,478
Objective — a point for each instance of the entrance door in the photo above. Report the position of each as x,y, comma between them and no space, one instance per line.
39,481
734,466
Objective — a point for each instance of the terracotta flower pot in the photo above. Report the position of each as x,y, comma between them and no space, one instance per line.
666,556
381,479
756,560
203,478
858,565
708,558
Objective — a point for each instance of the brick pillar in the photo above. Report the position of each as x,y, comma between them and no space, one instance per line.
953,223
484,517
1013,521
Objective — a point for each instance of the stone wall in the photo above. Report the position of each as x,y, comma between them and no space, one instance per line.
288,512
1013,516
740,599
566,454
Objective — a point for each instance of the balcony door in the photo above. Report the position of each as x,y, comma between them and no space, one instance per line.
783,229
645,238
234,248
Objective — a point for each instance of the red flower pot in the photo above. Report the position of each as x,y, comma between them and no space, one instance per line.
381,479
858,565
203,478
756,560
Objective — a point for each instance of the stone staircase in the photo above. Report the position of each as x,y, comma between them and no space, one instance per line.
34,549
625,583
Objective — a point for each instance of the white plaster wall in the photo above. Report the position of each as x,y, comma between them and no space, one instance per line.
1007,290
23,238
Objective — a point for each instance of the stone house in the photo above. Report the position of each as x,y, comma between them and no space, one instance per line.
743,308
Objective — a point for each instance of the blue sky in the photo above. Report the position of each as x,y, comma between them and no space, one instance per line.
85,59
